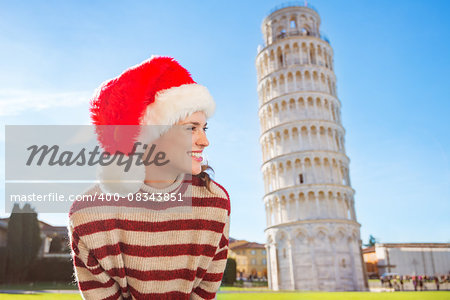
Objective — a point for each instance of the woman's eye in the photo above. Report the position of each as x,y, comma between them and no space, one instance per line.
194,128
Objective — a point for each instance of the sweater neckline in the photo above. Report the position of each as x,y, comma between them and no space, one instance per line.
149,189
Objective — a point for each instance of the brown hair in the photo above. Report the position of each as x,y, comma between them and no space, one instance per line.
205,176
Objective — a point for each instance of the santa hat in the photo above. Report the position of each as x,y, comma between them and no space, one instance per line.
158,91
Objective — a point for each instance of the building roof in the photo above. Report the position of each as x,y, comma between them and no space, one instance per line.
50,229
369,249
45,227
414,245
242,244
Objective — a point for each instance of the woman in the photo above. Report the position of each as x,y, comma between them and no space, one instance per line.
135,249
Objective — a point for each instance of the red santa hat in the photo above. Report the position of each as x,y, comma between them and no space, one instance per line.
159,91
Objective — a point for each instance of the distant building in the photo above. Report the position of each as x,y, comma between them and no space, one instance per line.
55,241
371,261
408,259
251,259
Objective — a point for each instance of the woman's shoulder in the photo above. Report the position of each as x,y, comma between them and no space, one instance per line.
224,194
220,190
216,194
214,189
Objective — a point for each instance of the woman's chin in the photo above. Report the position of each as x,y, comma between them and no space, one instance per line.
196,170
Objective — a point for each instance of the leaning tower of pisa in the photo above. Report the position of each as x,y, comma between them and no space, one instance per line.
313,238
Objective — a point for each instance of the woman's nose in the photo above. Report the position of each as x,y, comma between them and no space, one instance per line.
202,140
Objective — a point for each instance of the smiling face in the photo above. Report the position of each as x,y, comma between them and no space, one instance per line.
196,125
184,144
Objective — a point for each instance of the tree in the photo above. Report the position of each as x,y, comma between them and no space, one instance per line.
372,241
3,256
31,241
15,261
23,242
229,275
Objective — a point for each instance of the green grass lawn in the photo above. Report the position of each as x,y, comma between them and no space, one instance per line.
338,296
41,296
40,286
280,296
241,289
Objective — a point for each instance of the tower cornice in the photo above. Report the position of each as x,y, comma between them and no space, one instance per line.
300,122
314,221
312,151
310,186
299,38
299,95
297,67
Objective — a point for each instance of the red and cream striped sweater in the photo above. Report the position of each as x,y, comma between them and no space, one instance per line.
128,251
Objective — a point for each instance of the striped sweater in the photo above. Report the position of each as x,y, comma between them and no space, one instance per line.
127,250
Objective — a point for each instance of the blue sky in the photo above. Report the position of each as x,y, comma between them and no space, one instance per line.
391,62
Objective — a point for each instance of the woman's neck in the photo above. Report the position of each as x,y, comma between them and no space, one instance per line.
159,178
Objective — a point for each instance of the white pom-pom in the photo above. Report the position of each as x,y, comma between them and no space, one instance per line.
113,179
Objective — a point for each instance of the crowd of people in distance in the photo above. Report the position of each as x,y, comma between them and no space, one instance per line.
397,282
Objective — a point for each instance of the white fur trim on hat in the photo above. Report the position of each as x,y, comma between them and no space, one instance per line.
177,103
